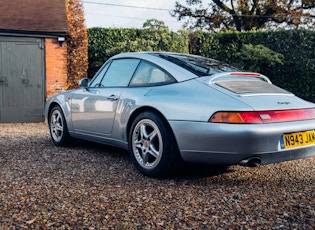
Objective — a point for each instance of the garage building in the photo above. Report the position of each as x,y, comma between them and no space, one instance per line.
33,57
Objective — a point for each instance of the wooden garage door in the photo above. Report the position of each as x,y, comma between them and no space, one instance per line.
22,79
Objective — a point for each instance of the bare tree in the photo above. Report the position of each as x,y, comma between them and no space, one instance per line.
244,15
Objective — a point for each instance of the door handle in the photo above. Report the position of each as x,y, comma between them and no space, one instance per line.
4,81
112,98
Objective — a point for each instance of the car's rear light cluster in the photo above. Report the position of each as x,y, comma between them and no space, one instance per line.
260,117
245,74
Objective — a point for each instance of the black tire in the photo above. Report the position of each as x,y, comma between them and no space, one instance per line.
58,127
152,146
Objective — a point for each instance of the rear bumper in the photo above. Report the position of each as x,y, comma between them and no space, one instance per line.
229,144
237,158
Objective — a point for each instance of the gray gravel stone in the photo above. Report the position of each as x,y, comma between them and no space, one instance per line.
93,186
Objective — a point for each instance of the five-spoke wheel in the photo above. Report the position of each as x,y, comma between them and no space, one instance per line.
147,143
152,145
58,127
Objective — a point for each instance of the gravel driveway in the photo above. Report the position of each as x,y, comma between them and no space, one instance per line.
92,186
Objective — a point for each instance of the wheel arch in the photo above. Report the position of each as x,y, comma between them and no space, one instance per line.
51,106
147,109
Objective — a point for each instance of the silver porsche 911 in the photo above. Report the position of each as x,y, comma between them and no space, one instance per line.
169,107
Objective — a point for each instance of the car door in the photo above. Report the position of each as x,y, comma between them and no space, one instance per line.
93,109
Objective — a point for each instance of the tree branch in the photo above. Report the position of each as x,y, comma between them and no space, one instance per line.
222,6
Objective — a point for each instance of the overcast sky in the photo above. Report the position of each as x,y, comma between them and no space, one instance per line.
129,14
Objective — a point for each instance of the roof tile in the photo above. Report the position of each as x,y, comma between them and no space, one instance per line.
33,15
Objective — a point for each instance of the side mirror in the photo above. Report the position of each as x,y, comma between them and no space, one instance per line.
84,83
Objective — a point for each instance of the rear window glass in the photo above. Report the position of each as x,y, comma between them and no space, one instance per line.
198,65
148,74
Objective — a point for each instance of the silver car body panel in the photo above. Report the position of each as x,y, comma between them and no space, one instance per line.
103,115
231,143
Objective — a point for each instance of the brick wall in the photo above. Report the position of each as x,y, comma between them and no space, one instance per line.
56,67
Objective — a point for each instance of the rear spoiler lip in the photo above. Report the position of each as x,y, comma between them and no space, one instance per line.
215,78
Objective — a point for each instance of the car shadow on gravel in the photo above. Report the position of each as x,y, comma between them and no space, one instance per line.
197,171
187,171
109,150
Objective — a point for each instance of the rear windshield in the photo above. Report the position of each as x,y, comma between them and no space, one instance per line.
198,65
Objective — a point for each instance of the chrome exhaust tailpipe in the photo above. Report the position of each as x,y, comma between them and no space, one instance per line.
251,162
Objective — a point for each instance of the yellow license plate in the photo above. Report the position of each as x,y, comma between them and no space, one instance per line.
298,139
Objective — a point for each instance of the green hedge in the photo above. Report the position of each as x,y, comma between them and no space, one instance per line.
104,43
295,72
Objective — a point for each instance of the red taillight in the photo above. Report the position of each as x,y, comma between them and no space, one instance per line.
288,115
256,117
245,74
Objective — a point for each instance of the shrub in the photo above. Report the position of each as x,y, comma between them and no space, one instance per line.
77,43
287,57
104,43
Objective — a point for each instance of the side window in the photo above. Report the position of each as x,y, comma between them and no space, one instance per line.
148,74
99,76
120,72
